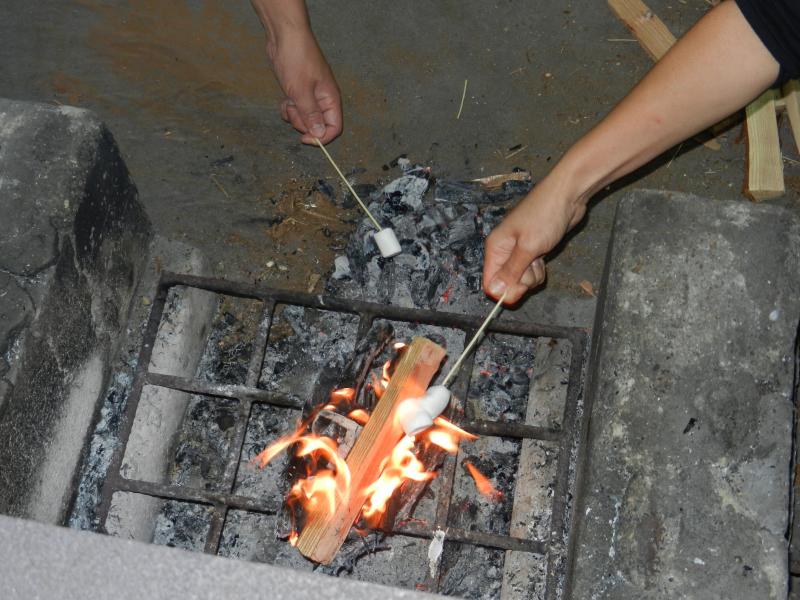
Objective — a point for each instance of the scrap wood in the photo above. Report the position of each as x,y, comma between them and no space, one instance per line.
495,181
323,533
791,102
764,161
652,34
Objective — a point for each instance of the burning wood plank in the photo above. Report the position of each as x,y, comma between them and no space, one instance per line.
324,533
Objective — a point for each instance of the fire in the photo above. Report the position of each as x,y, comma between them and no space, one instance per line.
327,478
400,466
343,394
454,430
403,465
359,415
322,487
484,486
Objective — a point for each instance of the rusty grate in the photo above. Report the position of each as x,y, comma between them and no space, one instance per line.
248,395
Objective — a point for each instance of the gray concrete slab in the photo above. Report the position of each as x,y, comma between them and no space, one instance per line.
43,562
73,240
686,488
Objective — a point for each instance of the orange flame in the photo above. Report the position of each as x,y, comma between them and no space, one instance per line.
484,486
444,440
328,481
454,429
359,415
385,375
400,466
342,394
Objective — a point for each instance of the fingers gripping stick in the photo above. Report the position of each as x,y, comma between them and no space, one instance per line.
417,414
385,238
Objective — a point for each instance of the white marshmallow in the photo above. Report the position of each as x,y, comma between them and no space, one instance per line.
417,414
387,242
435,400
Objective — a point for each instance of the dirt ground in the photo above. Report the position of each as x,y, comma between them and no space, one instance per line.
185,88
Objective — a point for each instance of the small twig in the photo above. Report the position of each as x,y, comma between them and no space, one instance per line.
219,186
517,151
621,40
669,164
463,96
791,160
347,183
321,216
475,339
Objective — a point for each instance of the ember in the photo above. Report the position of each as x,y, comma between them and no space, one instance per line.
484,486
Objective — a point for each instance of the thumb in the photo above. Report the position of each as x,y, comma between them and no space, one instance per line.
310,112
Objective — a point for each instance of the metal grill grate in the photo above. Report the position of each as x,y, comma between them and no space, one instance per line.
249,394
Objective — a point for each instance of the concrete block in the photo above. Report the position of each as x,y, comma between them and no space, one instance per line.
685,492
73,240
41,561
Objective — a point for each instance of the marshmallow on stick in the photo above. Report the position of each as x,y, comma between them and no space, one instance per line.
384,237
417,414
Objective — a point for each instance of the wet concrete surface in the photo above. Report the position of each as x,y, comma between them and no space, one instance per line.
186,89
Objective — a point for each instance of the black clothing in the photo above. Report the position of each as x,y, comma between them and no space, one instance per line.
777,24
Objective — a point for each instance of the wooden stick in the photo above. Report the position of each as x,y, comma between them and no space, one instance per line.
791,98
652,34
347,183
764,160
324,534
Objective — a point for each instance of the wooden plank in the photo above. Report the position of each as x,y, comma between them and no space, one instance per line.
791,99
764,160
323,533
651,32
653,36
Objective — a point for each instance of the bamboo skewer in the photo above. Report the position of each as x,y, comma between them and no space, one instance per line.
347,183
475,339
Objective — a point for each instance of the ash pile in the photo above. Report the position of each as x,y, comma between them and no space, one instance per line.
441,226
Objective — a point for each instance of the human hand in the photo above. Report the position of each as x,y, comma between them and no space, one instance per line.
515,250
312,102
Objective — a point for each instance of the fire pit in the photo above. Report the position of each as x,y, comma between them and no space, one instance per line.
450,539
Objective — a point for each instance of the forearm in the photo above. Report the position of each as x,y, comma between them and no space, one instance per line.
716,68
281,17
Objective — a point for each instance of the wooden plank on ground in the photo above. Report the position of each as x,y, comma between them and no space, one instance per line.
791,98
764,160
652,34
324,533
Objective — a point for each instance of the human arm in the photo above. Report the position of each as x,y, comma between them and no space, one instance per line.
715,69
312,102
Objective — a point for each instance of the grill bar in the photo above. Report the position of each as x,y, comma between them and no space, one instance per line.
476,538
448,471
223,390
249,394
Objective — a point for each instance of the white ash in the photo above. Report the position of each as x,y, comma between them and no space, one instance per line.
441,228
301,343
341,267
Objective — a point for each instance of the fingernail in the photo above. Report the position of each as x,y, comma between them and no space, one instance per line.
318,130
539,262
497,287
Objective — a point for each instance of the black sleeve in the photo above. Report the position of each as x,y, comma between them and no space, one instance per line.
777,24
